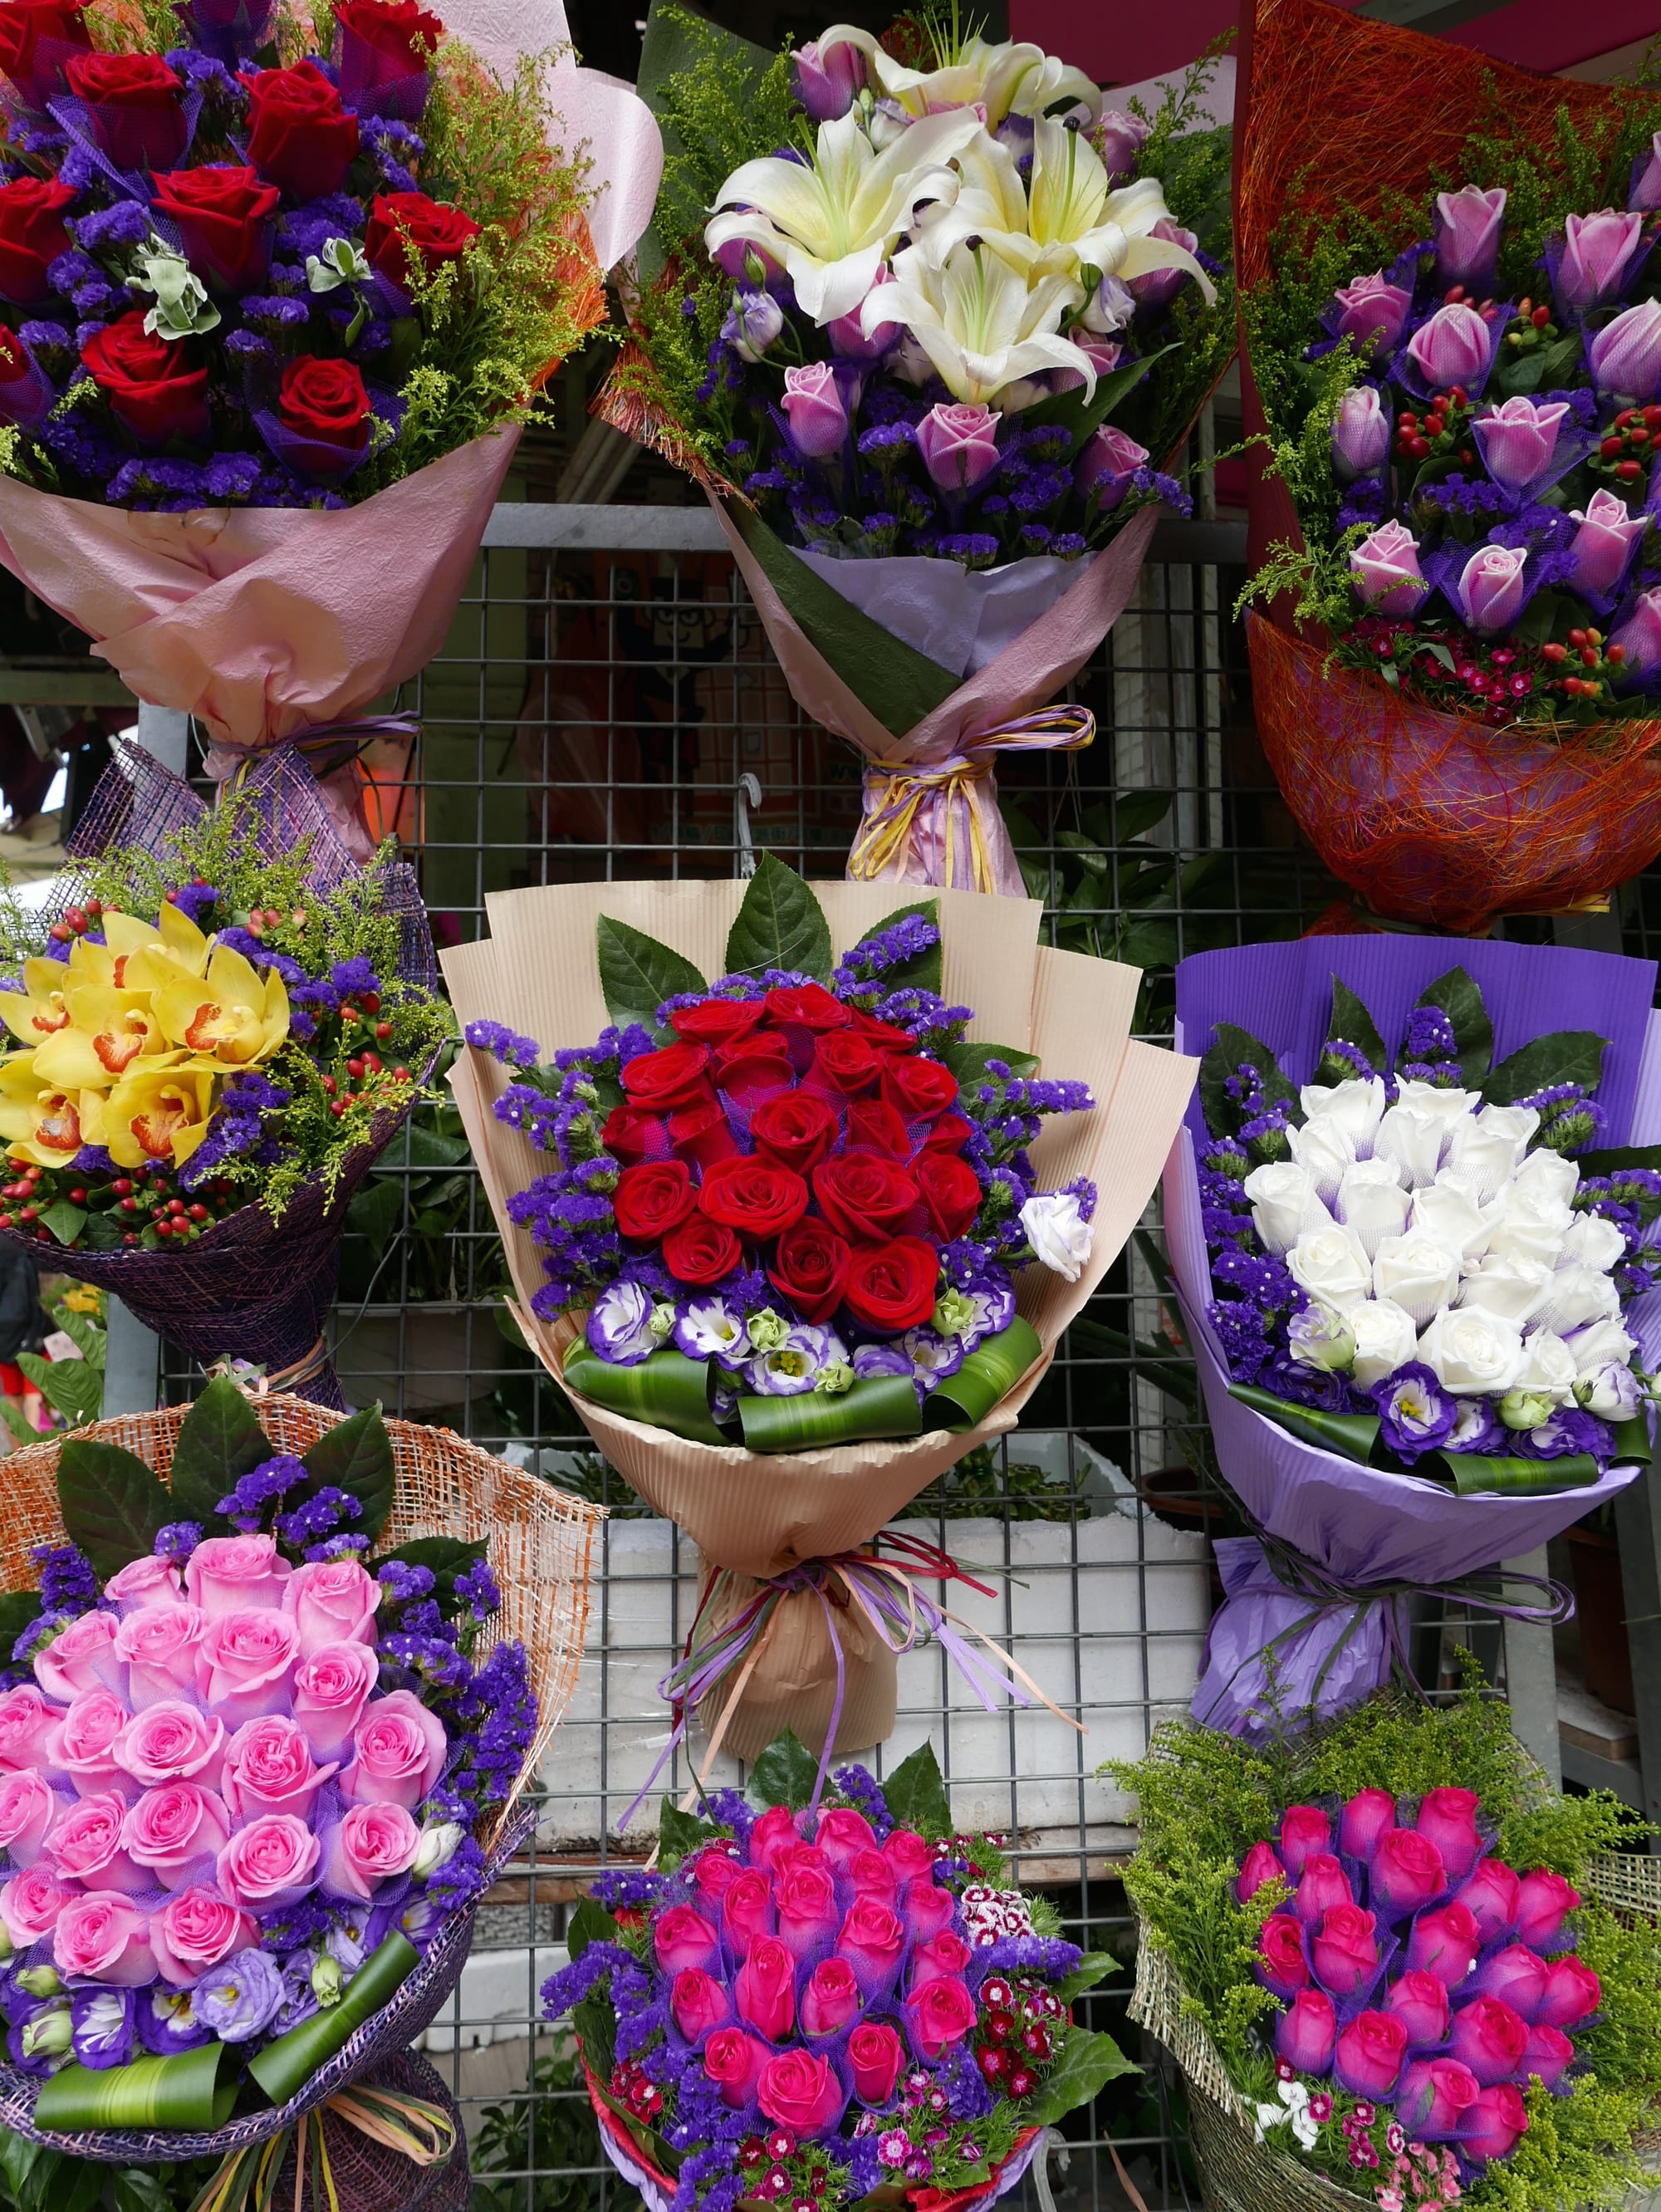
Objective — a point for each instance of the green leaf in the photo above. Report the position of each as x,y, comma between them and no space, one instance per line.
780,925
986,1377
916,1795
1136,813
596,2024
64,1220
1232,1048
1094,1966
73,1387
376,1211
1073,412
968,1062
357,1455
1352,1435
19,1609
1567,1056
1087,2064
1457,996
785,1773
921,973
1475,1473
872,1410
666,1388
429,1148
84,1332
678,1832
1352,1025
637,973
113,1505
589,1923
220,1442
445,1557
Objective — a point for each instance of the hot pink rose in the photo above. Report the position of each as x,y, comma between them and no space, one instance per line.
747,1911
194,1930
1407,1872
1343,1951
941,1956
1363,1820
927,1910
368,1847
1549,2053
1515,1974
1434,2097
145,1581
1304,1831
801,2091
102,1936
1489,1895
29,1806
236,1574
875,2056
911,1859
682,1938
873,1875
1307,2031
1448,1817
700,2004
270,1863
28,1728
86,1846
244,1664
1419,2003
1489,2038
400,1750
31,1902
171,1742
1494,2125
1322,1885
941,2014
160,1644
805,1895
1370,2054
176,1830
332,1601
82,1658
735,2060
713,1873
268,1768
331,1691
1259,1866
775,1831
86,1745
874,1941
1573,1992
1281,1965
766,1989
1544,1902
830,1998
1444,1943
842,1834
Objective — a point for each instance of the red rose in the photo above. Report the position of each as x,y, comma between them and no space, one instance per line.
808,1006
754,1071
766,1987
883,1035
716,1021
941,2012
135,106
865,1196
225,218
892,1286
324,402
631,1135
754,1197
873,1126
796,1129
735,2060
382,41
701,1251
676,1076
919,1090
949,1135
32,36
299,134
800,2090
701,1135
32,236
876,2055
951,1192
652,1199
810,1267
152,389
407,231
846,1063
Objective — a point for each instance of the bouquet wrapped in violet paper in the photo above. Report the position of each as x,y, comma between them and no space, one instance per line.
927,323
274,1684
795,1240
1411,1218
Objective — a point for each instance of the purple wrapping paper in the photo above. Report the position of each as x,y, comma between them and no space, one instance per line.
1260,1610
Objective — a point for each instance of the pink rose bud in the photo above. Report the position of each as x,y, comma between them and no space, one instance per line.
700,2004
1448,1817
1603,546
1343,1951
734,2061
145,1581
1119,139
747,1911
82,1658
104,1937
268,1768
848,333
926,1912
332,1601
1515,1974
1281,1964
1640,635
805,1896
959,446
1489,2038
1444,1942
943,1954
171,1742
86,1846
88,1737
713,1873
1625,356
29,1806
1360,433
1573,1992
1434,2097
331,1691
1260,1865
1103,355
1419,2003
177,1830
1494,2125
1645,193
828,78
1407,1872
1489,1895
1306,2032
872,1875
1491,593
1467,235
1363,1820
1454,347
1544,1902
1371,2053
1519,441
399,1748
1596,250
1384,570
816,411
1104,469
803,2092
842,1834
31,1902
1549,2053
194,1930
160,1644
911,1857
371,1845
682,1938
873,1940
28,1728
1322,1885
766,1989
876,2057
235,1574
1372,312
775,1833
940,2013
270,1865
830,1998
1305,1833
245,1664
1160,286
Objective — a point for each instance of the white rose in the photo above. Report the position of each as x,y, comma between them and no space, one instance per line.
1517,1289
1548,1367
1384,1337
1414,1140
1372,1202
1535,1222
1444,1104
1449,1211
1355,1108
1472,1352
1324,1149
1485,1150
1321,1337
1519,1122
1058,1233
1418,1272
1604,1344
1614,1393
1548,1174
1283,1203
1579,1297
1329,1264
1594,1242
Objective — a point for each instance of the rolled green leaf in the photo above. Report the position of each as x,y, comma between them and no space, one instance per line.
666,1388
882,1406
1632,1442
286,2064
181,2091
988,1375
1476,1472
1352,1435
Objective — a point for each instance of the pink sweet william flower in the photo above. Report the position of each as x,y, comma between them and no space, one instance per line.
1384,570
159,1643
1454,346
31,1902
816,411
102,1936
1491,591
28,1728
194,1930
332,1689
332,1601
1372,312
141,1583
171,1742
268,1768
398,1753
958,444
85,1847
29,1806
245,1664
82,1658
1603,546
270,1865
236,1574
1518,440
87,1740
1597,250
1625,356
1467,235
1640,635
371,1845
176,1830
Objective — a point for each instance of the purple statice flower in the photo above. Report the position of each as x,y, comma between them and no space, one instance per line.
337,1547
478,1591
124,223
405,1583
261,955
237,1126
1430,1051
1415,1414
68,1583
261,1486
863,1792
177,1540
860,968
274,315
317,1517
193,900
1571,1120
497,1725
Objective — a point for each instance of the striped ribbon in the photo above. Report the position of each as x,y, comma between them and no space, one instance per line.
412,2127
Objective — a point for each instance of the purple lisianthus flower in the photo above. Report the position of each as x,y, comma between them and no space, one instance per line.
38,2041
300,1999
1477,1428
166,2021
880,1359
1569,1430
788,1369
1415,1414
993,1309
240,1996
620,1325
104,2029
712,1328
934,1357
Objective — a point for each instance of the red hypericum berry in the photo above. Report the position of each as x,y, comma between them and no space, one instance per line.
1615,655
76,919
374,1063
129,1205
1540,317
29,1213
337,1107
256,924
382,1030
1577,637
175,1206
1454,292
401,1075
130,1237
349,1013
170,898
164,1227
121,1185
330,1085
1419,448
370,1002
1553,652
60,932
199,1212
5,1221
95,907
1611,448
1407,420
77,1196
1628,471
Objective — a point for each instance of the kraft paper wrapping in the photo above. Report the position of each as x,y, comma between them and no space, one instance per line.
761,1515
794,1684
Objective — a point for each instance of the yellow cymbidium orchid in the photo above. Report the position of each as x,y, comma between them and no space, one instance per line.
157,1114
232,1017
148,959
1011,78
979,321
41,1123
109,1030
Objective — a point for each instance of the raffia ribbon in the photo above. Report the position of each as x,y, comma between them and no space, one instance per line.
413,2127
259,1382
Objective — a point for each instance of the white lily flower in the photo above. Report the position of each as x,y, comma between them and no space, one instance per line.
979,322
833,223
1011,78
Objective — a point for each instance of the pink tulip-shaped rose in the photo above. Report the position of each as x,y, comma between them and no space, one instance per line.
268,1768
1160,286
1515,1973
1306,2032
29,1807
399,1748
31,1902
747,1911
776,1831
89,1737
1494,2123
802,2091
1360,433
1420,2001
1448,1817
1492,589
332,1601
828,78
176,1830
82,1657
1305,1833
941,1955
1119,139
1283,1964
102,1936
1371,2052
1625,356
926,1910
1104,469
1645,194
236,1574
1322,1885
713,1873
28,1728
876,2057
1453,347
1489,2038
682,1937
143,1583
764,1989
1597,250
1603,546
842,1834
1259,1866
1444,1942
194,1930
171,1742
1573,1992
911,1857
1384,570
859,336
1518,440
873,1940
734,2061
1103,355
700,2004
1407,1872
1363,1820
1343,1951
244,1664
830,1998
1467,235
1546,2055
939,2015
816,411
1640,635
86,1846
369,1846
872,1875
1434,2097
270,1865
1372,312
805,1898
332,1689
160,1643
1489,1895
1544,1902
958,444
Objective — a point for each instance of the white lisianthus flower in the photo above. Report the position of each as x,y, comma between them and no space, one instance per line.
1472,1352
1535,1222
1329,1264
1325,1149
1579,1296
1058,1233
1450,1211
1321,1337
1284,1204
1516,1288
438,1846
1371,1202
1548,1175
1357,1107
1414,1140
1593,1242
1548,1366
1385,1339
1614,1394
1418,1272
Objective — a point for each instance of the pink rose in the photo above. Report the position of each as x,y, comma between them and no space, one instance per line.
1518,440
700,2004
681,1938
399,1751
1490,1895
941,1956
1444,1943
1103,355
1160,286
1602,545
1646,177
87,1744
332,1689
1491,591
160,1644
875,2056
1596,251
911,1857
1306,2032
1104,469
1639,637
1305,1831
236,1574
1370,2053
1548,2054
82,1658
244,1664
1515,1974
747,1911
141,1583
775,1831
28,1728
1435,2095
369,1846
816,411
927,1910
1494,2124
940,2013
1467,234
332,1601
828,77
1544,1902
86,1846
1343,1951
171,1742
1490,2038
31,1902
958,445
1119,139
830,1998
1360,433
874,1940
800,2090
1322,1885
854,340
270,1865
1573,1992
1453,348
842,1834
194,1930
1419,2003
177,1830
1407,1872
873,1875
268,1768
1384,570
1281,1965
735,2060
102,1936
29,1806
1372,312
805,1896
713,1873
1363,1820
1448,1817
766,1989
1625,356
